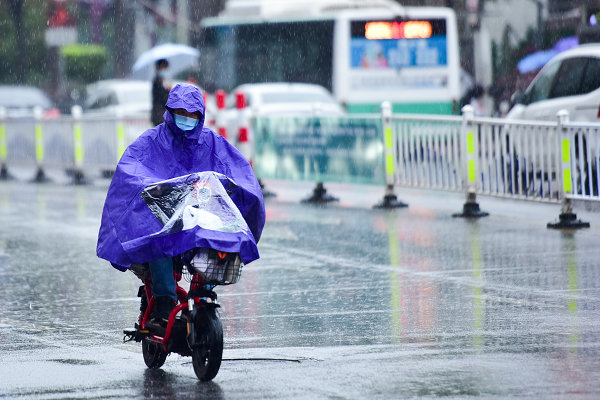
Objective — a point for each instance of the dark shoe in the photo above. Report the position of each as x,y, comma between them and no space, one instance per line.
163,306
143,300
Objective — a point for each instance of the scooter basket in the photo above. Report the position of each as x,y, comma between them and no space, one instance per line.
217,267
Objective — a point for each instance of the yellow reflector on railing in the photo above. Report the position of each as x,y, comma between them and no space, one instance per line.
389,164
39,143
567,180
471,171
566,151
120,139
388,138
78,138
566,165
2,142
470,143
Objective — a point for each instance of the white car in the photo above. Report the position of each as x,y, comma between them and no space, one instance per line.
285,100
131,98
570,81
21,102
279,100
297,99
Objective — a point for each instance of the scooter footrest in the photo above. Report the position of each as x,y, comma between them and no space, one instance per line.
136,335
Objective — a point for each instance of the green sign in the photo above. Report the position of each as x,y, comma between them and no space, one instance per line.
319,149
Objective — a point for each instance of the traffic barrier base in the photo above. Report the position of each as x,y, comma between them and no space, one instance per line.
40,176
320,196
4,175
568,221
77,176
390,200
471,209
265,192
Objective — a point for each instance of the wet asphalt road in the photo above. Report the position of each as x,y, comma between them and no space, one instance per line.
346,303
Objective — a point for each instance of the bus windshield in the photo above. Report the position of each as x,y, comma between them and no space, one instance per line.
269,52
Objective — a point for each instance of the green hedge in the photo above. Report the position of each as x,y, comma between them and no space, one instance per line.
84,62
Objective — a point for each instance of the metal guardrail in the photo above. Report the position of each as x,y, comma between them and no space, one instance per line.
79,144
523,160
427,152
526,160
583,155
330,149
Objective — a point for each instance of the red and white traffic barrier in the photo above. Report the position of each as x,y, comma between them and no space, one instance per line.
244,143
220,96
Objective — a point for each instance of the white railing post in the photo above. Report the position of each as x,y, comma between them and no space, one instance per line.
121,140
3,148
319,194
38,114
567,219
469,149
389,160
78,177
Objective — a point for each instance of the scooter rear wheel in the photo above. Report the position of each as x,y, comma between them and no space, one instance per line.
208,351
154,355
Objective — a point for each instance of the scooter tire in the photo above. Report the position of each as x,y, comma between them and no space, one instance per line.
208,351
154,355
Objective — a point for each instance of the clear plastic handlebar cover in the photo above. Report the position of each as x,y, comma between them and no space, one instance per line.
197,200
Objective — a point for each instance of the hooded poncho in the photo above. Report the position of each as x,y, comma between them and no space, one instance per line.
130,233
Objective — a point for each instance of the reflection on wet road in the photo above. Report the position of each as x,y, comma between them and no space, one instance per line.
346,302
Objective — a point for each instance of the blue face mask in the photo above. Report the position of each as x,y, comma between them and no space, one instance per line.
185,123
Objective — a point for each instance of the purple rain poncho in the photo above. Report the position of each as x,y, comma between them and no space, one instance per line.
130,233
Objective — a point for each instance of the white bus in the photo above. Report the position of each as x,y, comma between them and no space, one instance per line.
364,52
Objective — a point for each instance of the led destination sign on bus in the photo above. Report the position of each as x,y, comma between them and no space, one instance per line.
395,29
398,44
398,30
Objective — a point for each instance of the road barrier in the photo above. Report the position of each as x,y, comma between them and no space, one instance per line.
554,162
321,149
544,161
524,160
74,143
220,100
244,145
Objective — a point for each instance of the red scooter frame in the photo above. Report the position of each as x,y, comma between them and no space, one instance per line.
202,337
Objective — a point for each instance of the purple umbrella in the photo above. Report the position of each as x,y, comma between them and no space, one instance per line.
534,61
566,44
537,60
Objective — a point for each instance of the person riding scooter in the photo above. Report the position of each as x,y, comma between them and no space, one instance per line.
179,146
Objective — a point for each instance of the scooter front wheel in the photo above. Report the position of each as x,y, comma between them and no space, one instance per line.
208,349
154,355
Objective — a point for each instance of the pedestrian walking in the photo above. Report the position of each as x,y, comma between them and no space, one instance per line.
160,92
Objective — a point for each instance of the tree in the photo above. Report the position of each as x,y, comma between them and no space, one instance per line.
22,47
124,29
16,10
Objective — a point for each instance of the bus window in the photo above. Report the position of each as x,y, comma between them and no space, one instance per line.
272,52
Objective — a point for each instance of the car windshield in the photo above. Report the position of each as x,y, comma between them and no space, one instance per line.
23,97
294,97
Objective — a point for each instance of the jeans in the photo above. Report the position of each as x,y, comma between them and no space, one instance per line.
163,283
